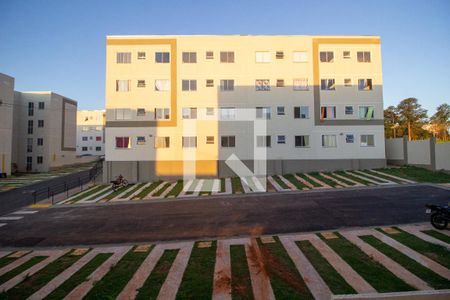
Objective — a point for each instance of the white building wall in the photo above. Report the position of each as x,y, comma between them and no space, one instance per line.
91,132
6,122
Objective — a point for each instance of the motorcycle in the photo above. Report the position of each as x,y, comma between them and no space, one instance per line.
118,183
440,215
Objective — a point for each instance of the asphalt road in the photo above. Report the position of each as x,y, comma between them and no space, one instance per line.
228,216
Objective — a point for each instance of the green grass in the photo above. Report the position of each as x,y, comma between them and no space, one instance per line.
25,266
133,189
383,176
197,282
236,185
433,279
153,283
222,185
323,179
6,260
347,182
435,252
368,177
116,193
85,194
418,174
35,282
280,182
241,285
176,189
148,190
332,278
118,276
285,279
372,271
438,235
79,277
295,182
307,179
354,178
161,190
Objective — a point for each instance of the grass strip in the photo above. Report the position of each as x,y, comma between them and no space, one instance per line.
25,266
236,185
176,189
241,285
118,276
104,192
148,189
206,187
161,190
438,235
222,185
133,189
435,252
35,282
332,278
382,176
372,271
280,182
323,179
433,279
286,281
365,175
84,194
418,174
153,283
6,260
295,182
307,179
354,178
347,182
197,282
116,193
78,278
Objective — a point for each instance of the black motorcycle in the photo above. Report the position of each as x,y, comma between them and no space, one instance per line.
118,183
440,215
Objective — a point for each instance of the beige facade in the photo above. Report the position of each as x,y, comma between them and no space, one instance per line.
6,122
91,132
173,104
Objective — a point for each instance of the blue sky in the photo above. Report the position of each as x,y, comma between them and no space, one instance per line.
60,45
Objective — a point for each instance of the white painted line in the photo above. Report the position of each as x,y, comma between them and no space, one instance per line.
216,186
222,272
385,181
245,185
288,183
76,195
363,178
24,212
199,186
323,184
126,190
355,183
334,180
10,218
276,185
307,183
159,187
393,176
167,191
135,193
101,191
228,186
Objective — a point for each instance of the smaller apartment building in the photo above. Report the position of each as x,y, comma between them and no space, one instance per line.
91,132
6,122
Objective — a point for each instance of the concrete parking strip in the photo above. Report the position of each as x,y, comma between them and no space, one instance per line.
222,272
323,184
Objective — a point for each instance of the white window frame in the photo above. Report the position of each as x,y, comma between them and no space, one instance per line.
189,142
263,113
162,113
300,57
305,140
227,113
162,85
303,112
300,84
367,140
263,57
225,141
227,85
123,85
189,113
281,111
123,57
162,142
189,57
281,139
329,141
263,141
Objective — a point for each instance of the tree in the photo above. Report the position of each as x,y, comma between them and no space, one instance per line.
412,117
440,121
390,122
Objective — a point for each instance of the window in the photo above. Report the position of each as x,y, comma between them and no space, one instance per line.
327,85
228,141
162,142
326,56
349,110
40,123
279,55
162,85
280,82
98,148
189,85
29,144
86,128
84,138
300,56
209,55
98,128
123,114
329,141
227,85
300,84
40,142
227,113
363,56
41,105
302,141
98,138
328,112
123,58
140,112
366,112
367,140
263,141
189,142
30,109
262,84
263,113
140,140
210,111
122,85
347,82
226,57
30,126
301,112
346,55
141,55
40,160
189,113
162,113
280,110
349,138
209,82
141,83
281,139
209,140
364,84
162,57
84,148
189,57
263,57
123,142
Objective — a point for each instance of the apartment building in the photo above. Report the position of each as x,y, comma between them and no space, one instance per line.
6,123
178,105
44,131
91,132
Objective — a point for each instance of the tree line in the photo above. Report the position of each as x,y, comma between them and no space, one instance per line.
408,118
